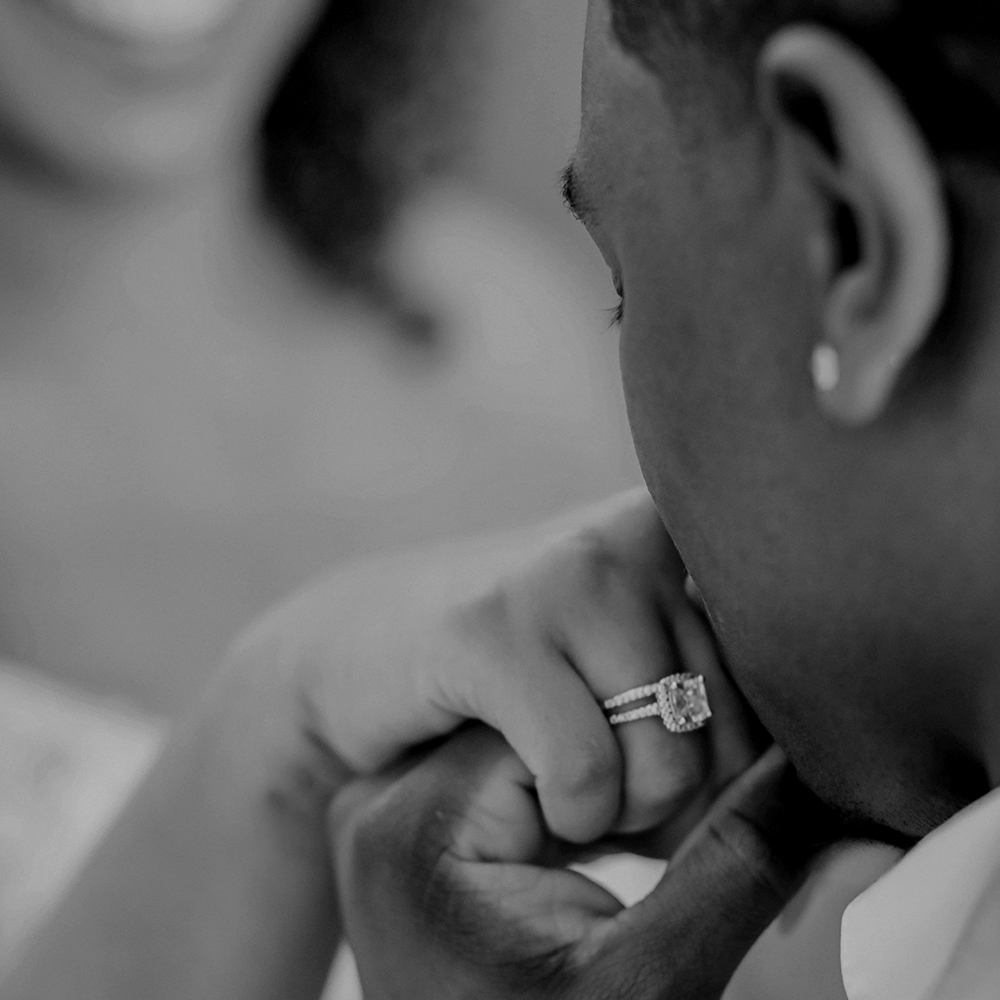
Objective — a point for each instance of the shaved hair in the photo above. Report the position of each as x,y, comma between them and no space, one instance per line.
943,55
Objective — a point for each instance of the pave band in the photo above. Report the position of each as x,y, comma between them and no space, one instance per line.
646,691
646,712
680,700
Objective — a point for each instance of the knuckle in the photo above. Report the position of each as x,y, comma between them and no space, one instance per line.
584,563
584,580
594,767
391,850
596,563
489,613
751,855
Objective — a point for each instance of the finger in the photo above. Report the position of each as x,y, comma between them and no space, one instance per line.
381,859
438,894
636,628
609,627
641,542
618,642
472,797
553,722
726,884
389,833
702,763
538,701
628,523
633,527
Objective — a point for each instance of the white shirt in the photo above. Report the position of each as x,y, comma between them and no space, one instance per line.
930,928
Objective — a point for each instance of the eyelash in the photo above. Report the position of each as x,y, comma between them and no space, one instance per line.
617,312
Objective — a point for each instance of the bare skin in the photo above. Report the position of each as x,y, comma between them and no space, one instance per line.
217,881
825,521
799,506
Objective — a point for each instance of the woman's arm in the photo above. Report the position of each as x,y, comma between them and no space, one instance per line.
216,881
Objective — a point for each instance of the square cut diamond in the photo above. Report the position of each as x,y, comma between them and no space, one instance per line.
683,702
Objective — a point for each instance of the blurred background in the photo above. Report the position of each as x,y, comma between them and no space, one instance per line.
281,282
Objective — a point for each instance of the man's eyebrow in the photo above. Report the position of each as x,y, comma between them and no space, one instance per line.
573,197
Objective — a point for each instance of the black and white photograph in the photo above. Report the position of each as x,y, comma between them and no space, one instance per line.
499,500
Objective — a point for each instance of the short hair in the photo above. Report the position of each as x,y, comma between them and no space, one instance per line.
943,55
370,105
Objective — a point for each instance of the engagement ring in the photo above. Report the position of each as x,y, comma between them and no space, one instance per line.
680,700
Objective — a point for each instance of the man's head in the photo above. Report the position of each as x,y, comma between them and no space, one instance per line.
800,200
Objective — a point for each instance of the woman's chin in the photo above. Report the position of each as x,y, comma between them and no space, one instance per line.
147,24
139,92
135,150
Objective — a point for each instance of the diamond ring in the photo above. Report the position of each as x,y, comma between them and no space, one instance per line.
680,700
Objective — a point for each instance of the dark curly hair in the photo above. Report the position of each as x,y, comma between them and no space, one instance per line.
376,100
944,55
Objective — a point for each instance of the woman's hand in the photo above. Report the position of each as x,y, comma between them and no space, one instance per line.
528,633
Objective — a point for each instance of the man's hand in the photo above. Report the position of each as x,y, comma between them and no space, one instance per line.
450,888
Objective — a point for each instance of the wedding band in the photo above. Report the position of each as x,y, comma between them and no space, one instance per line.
680,700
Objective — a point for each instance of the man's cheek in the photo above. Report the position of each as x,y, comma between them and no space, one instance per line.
780,705
647,400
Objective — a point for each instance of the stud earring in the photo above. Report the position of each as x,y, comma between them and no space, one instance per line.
825,366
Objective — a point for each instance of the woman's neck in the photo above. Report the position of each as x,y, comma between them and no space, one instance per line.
67,256
53,230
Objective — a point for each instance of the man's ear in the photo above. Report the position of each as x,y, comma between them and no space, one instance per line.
881,252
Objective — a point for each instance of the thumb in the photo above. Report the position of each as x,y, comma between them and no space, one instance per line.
727,882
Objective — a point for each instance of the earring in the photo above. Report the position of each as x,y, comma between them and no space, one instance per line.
825,366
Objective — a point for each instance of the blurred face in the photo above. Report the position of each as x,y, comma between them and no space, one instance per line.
138,90
825,559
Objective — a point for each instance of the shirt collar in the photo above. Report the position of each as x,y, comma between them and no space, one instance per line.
900,937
